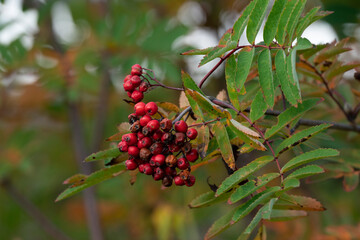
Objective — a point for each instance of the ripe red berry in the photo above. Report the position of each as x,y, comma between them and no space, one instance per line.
130,139
190,181
128,86
181,126
179,138
123,147
167,138
192,156
135,80
182,163
174,148
139,109
131,164
136,69
159,172
157,176
170,171
153,125
191,133
156,148
159,159
144,86
127,78
133,151
151,108
166,125
147,169
141,167
140,135
137,96
157,135
144,143
178,181
167,181
129,94
144,120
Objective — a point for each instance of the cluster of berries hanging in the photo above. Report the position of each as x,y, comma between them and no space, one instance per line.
155,144
134,85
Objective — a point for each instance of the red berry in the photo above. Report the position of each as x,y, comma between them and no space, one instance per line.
131,164
191,133
167,138
127,78
178,181
144,120
157,135
133,151
147,169
181,126
167,181
179,138
151,108
166,125
192,156
159,174
130,139
144,86
187,147
174,148
123,147
137,96
144,143
141,167
135,80
144,154
190,181
132,118
140,135
153,125
159,159
136,69
139,109
156,148
183,163
128,86
170,171
129,94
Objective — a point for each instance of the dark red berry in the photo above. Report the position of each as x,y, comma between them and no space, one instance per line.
130,139
127,78
135,80
178,181
146,130
144,143
181,126
191,133
132,118
190,181
151,108
141,167
166,125
144,120
139,109
148,170
128,86
174,148
135,127
137,96
187,147
144,86
167,181
131,164
123,146
179,138
153,125
159,173
129,94
133,151
156,148
140,135
136,69
152,162
159,160
167,138
144,154
157,135
170,171
157,176
192,156
182,163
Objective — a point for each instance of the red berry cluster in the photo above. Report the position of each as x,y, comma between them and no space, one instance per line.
134,85
154,144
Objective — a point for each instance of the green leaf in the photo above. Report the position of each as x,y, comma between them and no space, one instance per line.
94,178
300,137
291,114
189,83
293,20
207,199
306,171
254,222
216,52
251,186
335,71
224,144
258,107
272,21
266,77
251,204
242,173
331,50
286,215
219,225
269,207
290,91
296,202
255,19
284,21
198,51
291,70
241,22
108,153
236,71
305,21
290,184
303,43
351,181
244,129
309,157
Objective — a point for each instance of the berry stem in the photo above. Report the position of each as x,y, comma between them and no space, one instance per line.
160,84
181,115
205,123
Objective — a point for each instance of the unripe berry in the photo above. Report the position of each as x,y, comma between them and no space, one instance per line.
146,131
133,151
135,80
123,147
181,126
190,181
179,138
166,125
156,148
157,135
184,174
174,148
144,120
131,164
192,156
144,154
167,181
159,160
170,171
171,161
144,143
182,163
140,135
144,86
153,125
130,139
148,170
132,118
167,138
187,147
128,86
135,127
151,108
191,133
178,181
137,96
139,109
136,69
127,78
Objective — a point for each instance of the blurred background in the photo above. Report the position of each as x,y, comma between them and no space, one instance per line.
62,65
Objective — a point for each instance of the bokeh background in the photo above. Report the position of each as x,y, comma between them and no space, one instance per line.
61,69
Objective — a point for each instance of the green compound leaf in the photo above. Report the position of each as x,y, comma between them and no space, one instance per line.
207,199
241,22
291,70
242,173
94,178
105,154
223,140
272,21
290,115
255,19
216,52
251,186
300,137
304,172
309,157
286,215
296,202
252,225
220,225
266,77
258,107
293,20
305,21
189,83
198,51
284,21
236,71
